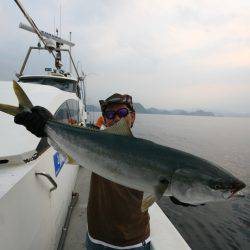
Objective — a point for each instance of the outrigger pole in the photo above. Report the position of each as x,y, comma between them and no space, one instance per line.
46,34
33,25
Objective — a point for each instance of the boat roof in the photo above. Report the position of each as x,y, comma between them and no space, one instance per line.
15,139
53,76
66,83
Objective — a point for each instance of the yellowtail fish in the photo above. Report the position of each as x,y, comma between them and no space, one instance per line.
117,155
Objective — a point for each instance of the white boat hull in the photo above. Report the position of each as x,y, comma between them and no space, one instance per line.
32,217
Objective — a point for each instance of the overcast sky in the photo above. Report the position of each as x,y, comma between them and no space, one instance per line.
171,54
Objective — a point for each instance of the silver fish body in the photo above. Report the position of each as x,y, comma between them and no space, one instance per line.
144,165
137,163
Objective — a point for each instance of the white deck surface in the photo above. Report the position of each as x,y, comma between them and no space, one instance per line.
78,223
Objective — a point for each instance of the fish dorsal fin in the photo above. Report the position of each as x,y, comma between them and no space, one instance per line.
119,128
24,101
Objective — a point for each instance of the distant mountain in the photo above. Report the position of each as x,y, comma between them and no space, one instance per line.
142,110
202,113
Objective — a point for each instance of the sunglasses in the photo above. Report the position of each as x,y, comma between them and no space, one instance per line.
122,112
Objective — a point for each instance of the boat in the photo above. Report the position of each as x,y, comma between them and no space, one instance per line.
43,198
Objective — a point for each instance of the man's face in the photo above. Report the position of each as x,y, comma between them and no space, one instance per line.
130,118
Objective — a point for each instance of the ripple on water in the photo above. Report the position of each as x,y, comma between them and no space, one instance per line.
225,141
223,225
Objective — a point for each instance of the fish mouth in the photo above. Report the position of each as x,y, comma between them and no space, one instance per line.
236,187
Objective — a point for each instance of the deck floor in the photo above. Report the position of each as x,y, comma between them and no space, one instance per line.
78,223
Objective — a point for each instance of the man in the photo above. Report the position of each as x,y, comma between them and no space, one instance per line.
115,220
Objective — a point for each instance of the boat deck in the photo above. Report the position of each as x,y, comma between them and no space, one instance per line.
78,223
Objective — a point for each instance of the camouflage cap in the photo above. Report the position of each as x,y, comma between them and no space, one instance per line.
117,98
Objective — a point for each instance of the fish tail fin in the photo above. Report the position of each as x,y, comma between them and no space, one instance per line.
8,109
24,101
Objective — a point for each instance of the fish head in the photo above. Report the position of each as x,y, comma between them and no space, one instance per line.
198,187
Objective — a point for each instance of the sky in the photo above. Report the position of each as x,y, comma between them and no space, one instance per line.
168,54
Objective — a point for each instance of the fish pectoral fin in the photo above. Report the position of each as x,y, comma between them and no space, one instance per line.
147,202
119,128
149,199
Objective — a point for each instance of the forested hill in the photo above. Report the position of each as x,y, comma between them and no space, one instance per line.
142,110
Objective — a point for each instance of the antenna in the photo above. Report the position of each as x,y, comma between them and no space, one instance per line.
60,19
54,25
70,64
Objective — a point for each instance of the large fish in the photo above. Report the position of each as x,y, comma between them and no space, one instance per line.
156,170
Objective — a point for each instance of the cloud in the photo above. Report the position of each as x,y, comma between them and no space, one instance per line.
166,53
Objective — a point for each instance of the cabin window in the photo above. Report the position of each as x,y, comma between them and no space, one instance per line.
60,83
68,112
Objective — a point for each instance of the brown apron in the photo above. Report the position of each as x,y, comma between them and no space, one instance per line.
114,213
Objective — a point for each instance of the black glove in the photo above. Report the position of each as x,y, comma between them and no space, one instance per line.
179,203
35,120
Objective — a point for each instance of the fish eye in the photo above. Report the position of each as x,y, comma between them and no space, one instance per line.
217,186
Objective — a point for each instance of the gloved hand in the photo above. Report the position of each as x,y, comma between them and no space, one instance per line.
35,120
179,203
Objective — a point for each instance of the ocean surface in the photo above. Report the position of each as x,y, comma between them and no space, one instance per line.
223,140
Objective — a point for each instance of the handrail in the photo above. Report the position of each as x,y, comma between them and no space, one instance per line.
48,176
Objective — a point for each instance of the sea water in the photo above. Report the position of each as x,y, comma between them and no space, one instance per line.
225,141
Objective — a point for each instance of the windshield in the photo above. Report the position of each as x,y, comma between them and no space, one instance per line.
60,83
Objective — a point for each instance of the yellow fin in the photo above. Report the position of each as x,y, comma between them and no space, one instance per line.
8,109
159,190
119,128
24,101
147,202
53,144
